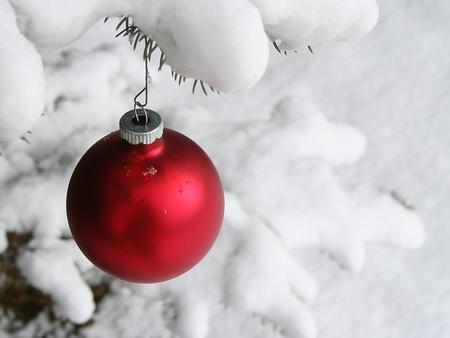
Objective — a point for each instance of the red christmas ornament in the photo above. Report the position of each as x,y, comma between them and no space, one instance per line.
145,204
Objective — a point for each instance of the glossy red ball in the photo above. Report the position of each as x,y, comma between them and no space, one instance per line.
145,213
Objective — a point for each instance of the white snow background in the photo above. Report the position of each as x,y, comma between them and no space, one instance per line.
313,159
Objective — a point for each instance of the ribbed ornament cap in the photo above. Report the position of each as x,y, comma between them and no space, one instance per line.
137,131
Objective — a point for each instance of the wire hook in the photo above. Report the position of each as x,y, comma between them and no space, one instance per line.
137,103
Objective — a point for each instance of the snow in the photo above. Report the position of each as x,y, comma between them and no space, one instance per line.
51,266
296,24
313,210
22,84
309,158
57,23
220,42
261,263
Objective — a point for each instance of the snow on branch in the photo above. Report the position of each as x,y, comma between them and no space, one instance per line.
220,44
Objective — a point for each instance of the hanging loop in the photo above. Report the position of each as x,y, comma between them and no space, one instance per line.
144,91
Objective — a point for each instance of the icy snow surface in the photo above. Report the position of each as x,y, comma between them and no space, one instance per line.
306,190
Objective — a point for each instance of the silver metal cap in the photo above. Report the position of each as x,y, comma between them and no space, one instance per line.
136,131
